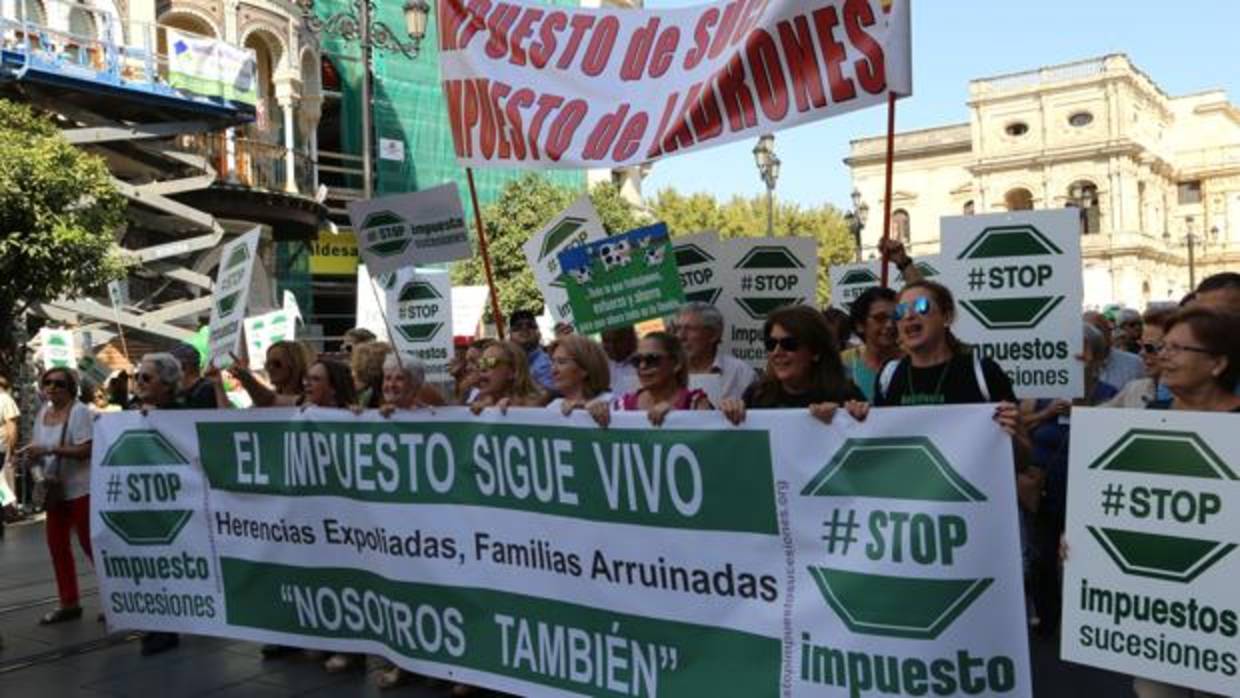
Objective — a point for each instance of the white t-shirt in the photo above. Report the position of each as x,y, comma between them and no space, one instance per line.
604,396
623,377
8,411
73,472
728,377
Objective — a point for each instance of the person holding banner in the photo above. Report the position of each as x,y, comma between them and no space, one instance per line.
402,383
580,372
663,376
803,370
523,327
873,319
367,361
504,379
468,374
286,369
61,444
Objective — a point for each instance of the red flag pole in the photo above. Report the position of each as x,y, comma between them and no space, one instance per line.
891,153
486,255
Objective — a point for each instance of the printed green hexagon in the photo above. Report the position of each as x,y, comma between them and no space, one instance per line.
892,468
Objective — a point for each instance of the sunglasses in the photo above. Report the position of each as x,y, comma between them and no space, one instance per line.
643,360
54,383
145,378
921,306
275,363
487,363
1149,347
786,343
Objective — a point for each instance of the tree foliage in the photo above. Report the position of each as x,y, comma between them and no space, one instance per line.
59,215
746,217
524,206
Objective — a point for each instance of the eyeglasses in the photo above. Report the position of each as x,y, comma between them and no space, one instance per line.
789,344
1149,348
54,383
921,306
881,318
487,363
1171,348
643,360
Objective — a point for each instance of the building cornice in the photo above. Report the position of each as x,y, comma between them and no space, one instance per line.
940,140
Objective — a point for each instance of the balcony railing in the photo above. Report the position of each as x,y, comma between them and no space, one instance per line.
1206,159
252,163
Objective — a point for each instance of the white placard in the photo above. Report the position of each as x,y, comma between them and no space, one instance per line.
1018,285
418,305
422,227
576,225
230,296
848,281
760,275
697,258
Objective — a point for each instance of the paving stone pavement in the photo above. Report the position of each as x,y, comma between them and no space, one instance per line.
81,659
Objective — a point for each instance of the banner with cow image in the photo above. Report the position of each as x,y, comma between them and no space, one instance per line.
784,557
542,87
622,280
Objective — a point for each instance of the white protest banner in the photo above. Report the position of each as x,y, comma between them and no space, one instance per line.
1152,531
418,304
760,275
230,296
421,227
628,561
59,348
848,281
1018,284
697,258
261,331
575,225
211,67
532,86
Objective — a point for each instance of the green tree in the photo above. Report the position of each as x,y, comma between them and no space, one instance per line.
746,217
59,215
524,206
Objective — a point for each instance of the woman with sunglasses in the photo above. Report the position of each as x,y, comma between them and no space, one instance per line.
286,366
663,382
939,369
61,444
1141,392
504,379
580,373
803,370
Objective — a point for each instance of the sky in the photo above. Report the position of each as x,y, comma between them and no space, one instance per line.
1185,46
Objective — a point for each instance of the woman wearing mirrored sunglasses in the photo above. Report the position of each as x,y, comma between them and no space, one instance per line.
803,370
504,379
61,445
663,380
939,369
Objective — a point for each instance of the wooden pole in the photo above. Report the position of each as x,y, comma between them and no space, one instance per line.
486,255
891,152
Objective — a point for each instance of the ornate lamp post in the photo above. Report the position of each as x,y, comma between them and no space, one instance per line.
856,219
359,25
768,169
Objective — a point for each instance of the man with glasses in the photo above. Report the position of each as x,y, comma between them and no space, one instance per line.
523,328
1129,336
1119,367
699,327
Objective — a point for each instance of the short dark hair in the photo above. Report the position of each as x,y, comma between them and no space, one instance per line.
187,355
859,311
1218,332
522,315
947,305
1219,282
841,325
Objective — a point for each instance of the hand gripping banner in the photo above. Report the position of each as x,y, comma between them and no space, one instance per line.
540,555
533,86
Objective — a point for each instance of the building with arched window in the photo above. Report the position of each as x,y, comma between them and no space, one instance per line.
1149,172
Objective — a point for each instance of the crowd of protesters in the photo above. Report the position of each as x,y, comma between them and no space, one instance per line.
1184,357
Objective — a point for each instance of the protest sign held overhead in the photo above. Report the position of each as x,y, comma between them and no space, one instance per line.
576,225
230,297
848,281
762,274
261,331
418,306
697,261
421,227
1152,531
621,280
532,86
59,348
627,561
1018,285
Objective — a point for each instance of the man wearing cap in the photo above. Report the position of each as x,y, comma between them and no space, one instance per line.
523,327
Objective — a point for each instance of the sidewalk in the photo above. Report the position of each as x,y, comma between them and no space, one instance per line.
79,658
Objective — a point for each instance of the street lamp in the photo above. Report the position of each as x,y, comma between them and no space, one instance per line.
1190,239
358,25
768,167
856,219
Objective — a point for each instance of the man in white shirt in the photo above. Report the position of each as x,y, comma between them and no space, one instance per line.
1118,366
8,443
699,326
619,344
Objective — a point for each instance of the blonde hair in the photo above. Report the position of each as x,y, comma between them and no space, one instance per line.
299,356
590,357
366,360
522,389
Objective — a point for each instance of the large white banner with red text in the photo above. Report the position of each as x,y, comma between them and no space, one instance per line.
530,85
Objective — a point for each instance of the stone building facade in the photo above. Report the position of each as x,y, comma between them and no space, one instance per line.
1157,177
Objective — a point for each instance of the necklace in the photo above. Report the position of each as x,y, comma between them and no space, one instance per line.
912,397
